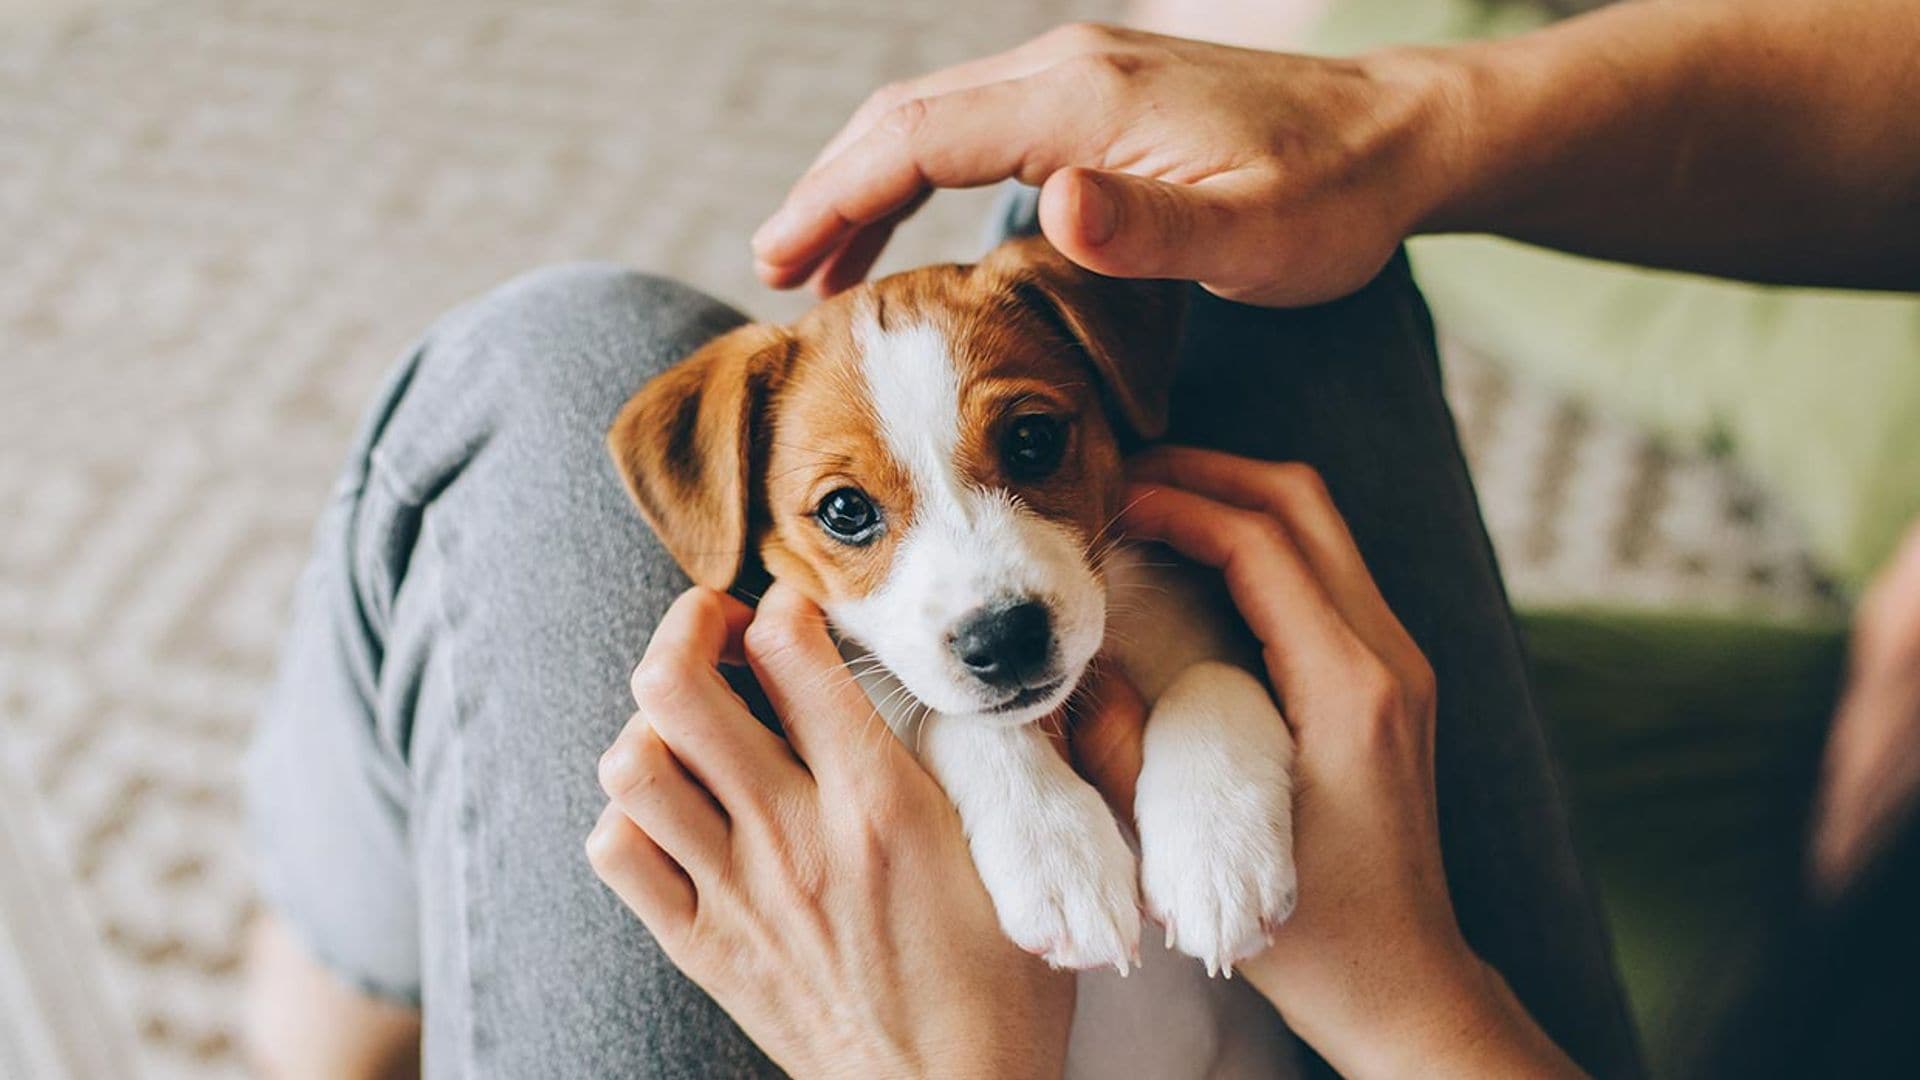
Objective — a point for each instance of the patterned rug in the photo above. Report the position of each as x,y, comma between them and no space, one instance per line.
225,217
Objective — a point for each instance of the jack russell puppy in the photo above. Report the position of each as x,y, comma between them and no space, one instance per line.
935,459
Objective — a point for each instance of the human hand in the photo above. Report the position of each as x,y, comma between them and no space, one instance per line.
1870,774
820,888
1268,178
1371,970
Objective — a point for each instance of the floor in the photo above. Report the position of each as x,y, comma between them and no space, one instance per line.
224,217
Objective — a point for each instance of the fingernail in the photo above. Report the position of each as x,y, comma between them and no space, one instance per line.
1099,214
616,768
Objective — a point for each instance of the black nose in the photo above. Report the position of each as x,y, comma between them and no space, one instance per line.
1006,646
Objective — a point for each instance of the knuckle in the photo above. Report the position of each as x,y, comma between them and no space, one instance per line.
1421,690
623,776
1082,35
707,604
769,640
885,97
1251,530
657,682
1103,72
614,779
1376,692
904,121
606,850
1293,483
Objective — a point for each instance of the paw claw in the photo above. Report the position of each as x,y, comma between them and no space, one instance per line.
1066,889
1217,873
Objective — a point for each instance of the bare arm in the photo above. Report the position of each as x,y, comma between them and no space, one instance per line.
1764,139
1752,138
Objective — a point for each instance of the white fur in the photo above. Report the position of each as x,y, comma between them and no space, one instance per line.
1214,826
1215,813
1214,804
964,548
1052,857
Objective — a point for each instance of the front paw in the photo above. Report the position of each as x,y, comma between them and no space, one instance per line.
1063,880
1215,811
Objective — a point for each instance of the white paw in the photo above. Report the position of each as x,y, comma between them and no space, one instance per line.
1215,812
1063,879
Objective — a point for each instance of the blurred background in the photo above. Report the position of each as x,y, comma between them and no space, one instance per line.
221,219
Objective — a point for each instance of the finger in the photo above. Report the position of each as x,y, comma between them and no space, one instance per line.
1291,493
702,625
1024,128
642,875
1021,60
1108,721
1129,226
690,707
1308,646
1296,496
828,718
640,774
848,266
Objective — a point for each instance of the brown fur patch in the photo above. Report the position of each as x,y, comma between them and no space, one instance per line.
1027,333
1011,362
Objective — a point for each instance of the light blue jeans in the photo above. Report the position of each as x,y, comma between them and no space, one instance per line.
423,777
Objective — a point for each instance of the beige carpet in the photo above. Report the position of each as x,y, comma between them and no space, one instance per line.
222,218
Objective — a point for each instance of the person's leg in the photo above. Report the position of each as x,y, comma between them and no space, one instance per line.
1353,388
424,779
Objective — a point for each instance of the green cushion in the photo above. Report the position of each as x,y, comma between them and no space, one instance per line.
1690,747
1815,393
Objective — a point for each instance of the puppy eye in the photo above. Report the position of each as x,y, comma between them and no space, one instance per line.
848,516
1033,446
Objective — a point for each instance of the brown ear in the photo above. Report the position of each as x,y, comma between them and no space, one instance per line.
1129,329
684,444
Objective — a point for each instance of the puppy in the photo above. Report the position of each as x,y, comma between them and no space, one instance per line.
935,459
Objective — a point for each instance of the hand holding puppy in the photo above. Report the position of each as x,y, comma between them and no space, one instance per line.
824,894
820,888
1371,970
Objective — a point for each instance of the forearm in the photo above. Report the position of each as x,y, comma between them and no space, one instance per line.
1446,1015
1765,139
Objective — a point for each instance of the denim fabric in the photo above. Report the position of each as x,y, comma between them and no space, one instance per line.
480,587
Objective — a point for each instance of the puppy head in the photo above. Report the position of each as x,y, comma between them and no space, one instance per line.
934,458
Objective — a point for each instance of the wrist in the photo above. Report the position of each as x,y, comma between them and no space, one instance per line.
1477,1028
1019,1033
1430,90
1446,1013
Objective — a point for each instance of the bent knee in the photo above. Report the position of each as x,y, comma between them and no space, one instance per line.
578,338
542,363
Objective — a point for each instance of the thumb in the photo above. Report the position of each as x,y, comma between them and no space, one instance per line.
1130,226
828,719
